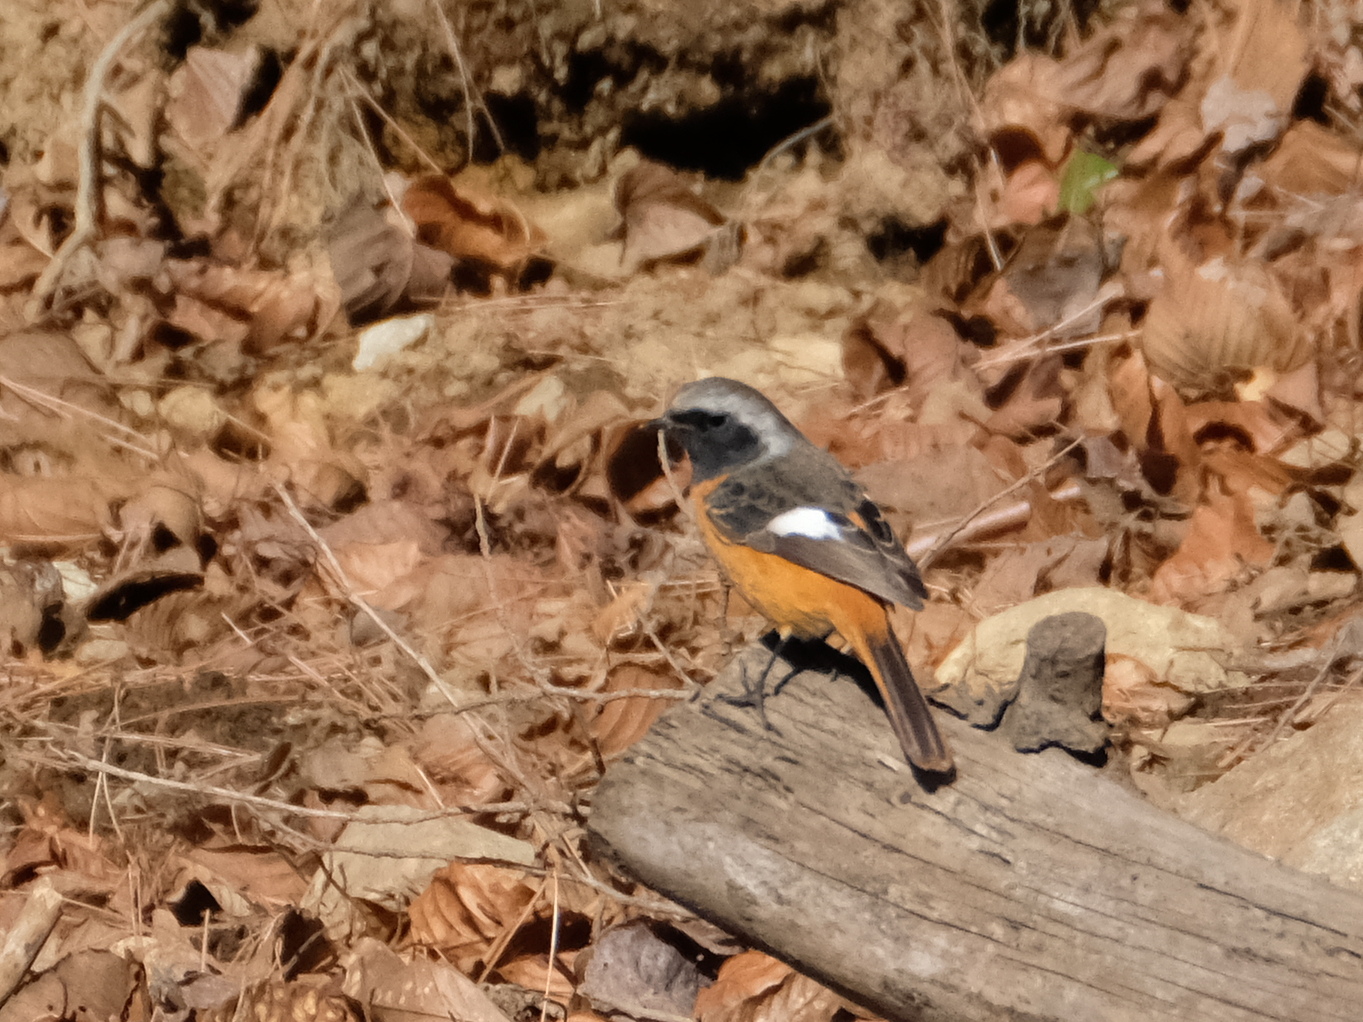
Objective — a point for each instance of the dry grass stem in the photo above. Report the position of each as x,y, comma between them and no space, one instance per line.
67,758
940,543
89,199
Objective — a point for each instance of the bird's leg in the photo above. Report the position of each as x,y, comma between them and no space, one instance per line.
755,692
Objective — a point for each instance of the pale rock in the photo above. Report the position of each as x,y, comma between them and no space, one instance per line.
1180,649
1301,800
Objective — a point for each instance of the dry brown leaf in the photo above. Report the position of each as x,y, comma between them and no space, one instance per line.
753,987
163,513
224,484
48,368
1221,543
468,907
938,485
100,983
1176,140
47,844
296,425
448,750
1255,425
1126,72
1299,390
1050,282
1030,194
1310,159
1242,115
1129,70
128,263
481,604
206,93
620,618
1133,695
258,308
1242,472
1216,323
533,973
1020,109
378,264
1267,52
261,875
22,606
386,774
910,349
1035,396
373,567
622,722
391,988
61,512
1017,575
663,217
466,223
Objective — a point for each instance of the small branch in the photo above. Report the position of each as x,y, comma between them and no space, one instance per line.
945,539
472,97
89,199
360,603
27,936
69,758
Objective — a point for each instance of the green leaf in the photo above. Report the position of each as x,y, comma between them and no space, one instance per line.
1084,174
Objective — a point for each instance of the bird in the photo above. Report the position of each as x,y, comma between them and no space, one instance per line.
799,538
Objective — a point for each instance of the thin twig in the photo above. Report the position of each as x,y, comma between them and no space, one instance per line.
553,952
1290,715
472,97
51,403
1035,343
69,758
27,935
945,539
361,92
89,196
348,591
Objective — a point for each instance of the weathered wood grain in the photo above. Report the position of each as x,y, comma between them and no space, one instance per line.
1033,887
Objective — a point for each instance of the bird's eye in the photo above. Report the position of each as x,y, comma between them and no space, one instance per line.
715,419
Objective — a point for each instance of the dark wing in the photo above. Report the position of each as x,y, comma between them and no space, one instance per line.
842,534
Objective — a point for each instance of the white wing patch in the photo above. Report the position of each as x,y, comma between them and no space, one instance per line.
809,522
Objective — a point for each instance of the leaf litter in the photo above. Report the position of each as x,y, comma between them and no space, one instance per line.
335,569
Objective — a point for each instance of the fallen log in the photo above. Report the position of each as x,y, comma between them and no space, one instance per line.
1032,887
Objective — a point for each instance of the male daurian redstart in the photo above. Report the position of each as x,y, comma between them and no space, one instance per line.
802,542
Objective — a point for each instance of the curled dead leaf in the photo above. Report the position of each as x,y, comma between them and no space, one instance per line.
663,217
55,511
448,750
1133,695
1214,324
467,907
471,225
622,722
754,987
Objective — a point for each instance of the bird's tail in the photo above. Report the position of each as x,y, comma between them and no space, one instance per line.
909,713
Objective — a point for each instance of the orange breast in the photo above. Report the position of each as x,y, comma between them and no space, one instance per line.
798,601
